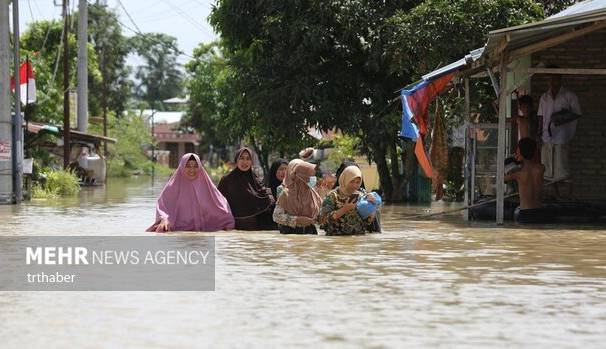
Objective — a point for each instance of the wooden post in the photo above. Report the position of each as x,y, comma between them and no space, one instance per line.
66,126
467,118
503,100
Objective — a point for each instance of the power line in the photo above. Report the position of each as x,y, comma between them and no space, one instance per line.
31,13
129,16
145,37
140,33
50,25
189,18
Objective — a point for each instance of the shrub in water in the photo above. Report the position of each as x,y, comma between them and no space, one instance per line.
56,183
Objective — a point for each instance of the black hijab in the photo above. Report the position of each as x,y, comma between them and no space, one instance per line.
273,182
345,164
246,194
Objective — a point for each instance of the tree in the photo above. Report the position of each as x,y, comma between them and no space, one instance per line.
218,108
40,42
338,63
111,48
210,101
308,63
552,7
160,77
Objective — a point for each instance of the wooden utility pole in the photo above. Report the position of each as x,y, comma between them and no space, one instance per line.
66,127
82,104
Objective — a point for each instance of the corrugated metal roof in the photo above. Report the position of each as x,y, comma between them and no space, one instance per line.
581,7
519,36
473,56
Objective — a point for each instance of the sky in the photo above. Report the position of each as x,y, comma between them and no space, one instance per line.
184,19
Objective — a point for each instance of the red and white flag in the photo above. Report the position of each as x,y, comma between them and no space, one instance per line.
27,83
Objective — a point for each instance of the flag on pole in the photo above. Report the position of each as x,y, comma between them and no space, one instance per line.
415,116
27,83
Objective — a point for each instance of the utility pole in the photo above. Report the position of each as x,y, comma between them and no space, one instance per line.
18,119
104,77
6,168
153,146
66,129
82,65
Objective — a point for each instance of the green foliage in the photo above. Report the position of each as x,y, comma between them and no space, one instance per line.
222,113
160,77
55,183
321,64
107,48
128,156
552,7
288,65
438,32
111,49
40,42
345,147
212,103
216,173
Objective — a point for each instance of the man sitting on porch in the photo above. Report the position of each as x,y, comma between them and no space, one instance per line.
557,132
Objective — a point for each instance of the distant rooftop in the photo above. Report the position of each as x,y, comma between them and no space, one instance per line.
166,117
177,100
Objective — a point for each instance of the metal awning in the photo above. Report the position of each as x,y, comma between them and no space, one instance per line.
580,14
36,127
469,58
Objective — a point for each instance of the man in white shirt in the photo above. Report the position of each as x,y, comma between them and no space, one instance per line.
556,139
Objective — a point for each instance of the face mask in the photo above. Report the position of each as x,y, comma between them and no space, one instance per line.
312,181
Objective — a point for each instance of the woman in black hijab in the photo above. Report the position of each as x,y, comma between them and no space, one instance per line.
277,172
250,201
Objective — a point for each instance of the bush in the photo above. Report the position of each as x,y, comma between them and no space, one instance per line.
127,156
56,183
117,168
215,173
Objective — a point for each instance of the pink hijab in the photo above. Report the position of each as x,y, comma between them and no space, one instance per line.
192,205
298,198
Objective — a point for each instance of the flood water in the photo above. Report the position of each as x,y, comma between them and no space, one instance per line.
438,282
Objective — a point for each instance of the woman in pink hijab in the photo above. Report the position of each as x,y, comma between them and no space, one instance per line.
299,204
191,202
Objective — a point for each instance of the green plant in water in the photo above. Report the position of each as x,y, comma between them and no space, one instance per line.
55,183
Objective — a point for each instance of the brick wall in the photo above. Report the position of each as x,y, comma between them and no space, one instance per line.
588,152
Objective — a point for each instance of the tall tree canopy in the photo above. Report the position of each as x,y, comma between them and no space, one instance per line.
112,49
160,77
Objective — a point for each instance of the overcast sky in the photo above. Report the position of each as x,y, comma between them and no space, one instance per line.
184,19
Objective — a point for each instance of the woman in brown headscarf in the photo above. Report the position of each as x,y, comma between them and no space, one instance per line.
299,203
250,201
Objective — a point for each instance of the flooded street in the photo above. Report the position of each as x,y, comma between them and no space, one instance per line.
431,283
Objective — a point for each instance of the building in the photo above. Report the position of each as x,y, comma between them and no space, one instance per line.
517,57
172,141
